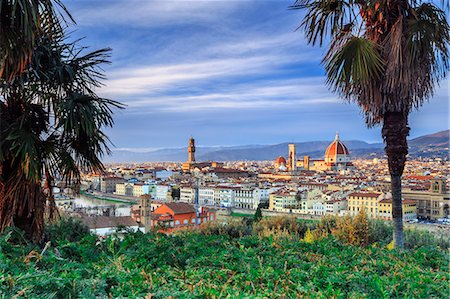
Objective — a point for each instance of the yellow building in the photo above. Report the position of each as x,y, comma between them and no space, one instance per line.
379,207
432,204
124,189
409,208
364,200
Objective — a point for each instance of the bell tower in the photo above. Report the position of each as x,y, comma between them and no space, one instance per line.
292,160
191,150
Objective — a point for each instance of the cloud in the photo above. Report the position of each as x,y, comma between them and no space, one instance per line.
279,94
150,13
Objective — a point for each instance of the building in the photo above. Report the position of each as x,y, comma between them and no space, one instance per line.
221,173
191,163
292,157
108,184
309,199
107,225
280,163
335,206
176,215
124,189
162,191
336,158
141,212
250,198
140,189
225,196
283,201
133,189
364,200
379,206
409,209
206,196
187,194
432,204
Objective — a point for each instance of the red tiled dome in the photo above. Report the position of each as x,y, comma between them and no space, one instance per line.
336,148
280,161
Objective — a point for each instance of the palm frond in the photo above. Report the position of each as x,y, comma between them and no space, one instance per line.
323,18
355,61
21,22
427,48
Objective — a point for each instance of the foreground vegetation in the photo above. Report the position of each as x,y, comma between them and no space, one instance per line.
274,258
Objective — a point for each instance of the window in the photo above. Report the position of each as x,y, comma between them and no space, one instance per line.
185,221
177,222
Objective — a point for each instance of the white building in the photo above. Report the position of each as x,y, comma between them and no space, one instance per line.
206,196
318,208
335,206
161,192
187,194
225,196
250,198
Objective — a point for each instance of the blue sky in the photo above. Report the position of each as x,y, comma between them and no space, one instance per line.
225,72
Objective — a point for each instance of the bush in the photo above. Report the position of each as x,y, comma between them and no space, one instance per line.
380,232
414,238
68,229
206,265
232,228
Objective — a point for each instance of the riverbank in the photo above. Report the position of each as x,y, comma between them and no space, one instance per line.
109,197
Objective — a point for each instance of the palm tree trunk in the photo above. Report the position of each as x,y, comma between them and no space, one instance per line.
395,131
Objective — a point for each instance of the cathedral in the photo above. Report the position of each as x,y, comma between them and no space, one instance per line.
337,157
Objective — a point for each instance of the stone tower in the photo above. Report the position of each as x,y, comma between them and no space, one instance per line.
191,150
292,160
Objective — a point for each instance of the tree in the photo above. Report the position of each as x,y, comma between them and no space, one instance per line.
175,193
21,24
258,215
51,128
388,57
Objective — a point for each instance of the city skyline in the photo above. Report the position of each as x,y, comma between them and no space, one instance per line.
188,68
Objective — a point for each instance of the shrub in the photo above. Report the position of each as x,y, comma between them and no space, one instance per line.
65,229
280,223
380,232
415,238
232,228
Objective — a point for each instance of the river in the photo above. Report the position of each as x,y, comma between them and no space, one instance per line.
91,205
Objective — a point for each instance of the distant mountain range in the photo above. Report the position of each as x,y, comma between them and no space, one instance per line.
432,145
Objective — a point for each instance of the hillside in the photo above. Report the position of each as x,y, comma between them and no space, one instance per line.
232,262
436,144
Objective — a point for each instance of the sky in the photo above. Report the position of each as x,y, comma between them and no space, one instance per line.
232,72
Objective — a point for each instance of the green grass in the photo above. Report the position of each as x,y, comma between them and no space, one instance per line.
197,265
117,200
233,214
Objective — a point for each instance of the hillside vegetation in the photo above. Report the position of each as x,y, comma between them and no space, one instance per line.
274,258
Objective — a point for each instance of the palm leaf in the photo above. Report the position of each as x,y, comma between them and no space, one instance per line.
355,61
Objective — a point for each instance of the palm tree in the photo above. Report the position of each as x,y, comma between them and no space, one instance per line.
51,128
387,56
21,22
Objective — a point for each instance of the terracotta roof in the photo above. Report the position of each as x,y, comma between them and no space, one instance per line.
180,207
336,148
363,194
404,201
106,221
280,160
